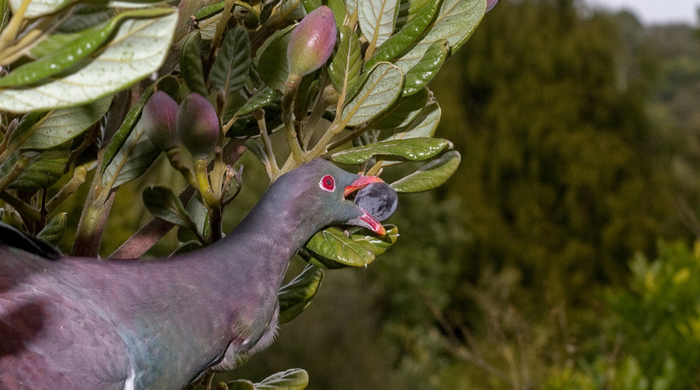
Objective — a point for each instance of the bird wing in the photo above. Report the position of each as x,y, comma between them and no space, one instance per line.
13,237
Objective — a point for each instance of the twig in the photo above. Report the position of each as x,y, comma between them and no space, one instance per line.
24,209
290,90
14,173
262,125
70,188
144,239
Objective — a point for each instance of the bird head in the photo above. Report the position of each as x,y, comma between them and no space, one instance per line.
322,192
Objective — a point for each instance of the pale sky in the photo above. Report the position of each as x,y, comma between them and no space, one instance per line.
654,11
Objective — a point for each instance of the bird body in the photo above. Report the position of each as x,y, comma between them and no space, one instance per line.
158,324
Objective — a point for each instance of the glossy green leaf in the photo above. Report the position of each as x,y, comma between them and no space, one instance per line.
164,204
420,75
333,244
339,11
400,41
344,69
292,10
136,51
209,10
53,231
378,92
200,216
4,19
191,63
51,44
72,52
43,170
230,69
294,379
422,125
318,261
273,65
133,158
240,384
297,294
375,244
455,22
403,111
377,18
430,175
358,250
59,126
261,98
414,149
310,5
85,16
124,131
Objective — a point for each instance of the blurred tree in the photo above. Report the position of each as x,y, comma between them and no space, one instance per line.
564,177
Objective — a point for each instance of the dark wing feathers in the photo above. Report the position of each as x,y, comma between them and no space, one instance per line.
13,237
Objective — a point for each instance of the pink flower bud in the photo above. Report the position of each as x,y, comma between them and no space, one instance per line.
490,4
158,120
312,42
198,125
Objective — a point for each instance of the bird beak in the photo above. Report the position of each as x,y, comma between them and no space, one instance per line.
365,219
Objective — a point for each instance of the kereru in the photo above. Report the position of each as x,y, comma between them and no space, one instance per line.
79,323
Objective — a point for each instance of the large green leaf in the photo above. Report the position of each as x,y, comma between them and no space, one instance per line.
400,41
191,63
230,69
240,384
381,88
125,129
53,231
273,65
358,250
339,11
292,10
377,18
164,204
310,5
43,170
59,126
200,217
261,98
296,296
133,158
455,22
137,50
414,149
403,112
294,379
430,175
344,69
72,52
427,68
377,245
422,125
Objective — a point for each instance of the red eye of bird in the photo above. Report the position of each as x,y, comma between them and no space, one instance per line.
327,183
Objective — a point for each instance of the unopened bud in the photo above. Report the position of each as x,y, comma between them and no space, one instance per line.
198,125
158,120
490,4
312,42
